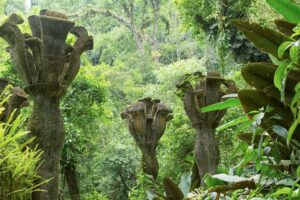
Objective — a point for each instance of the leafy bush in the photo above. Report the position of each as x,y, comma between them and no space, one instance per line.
18,162
94,196
144,184
268,164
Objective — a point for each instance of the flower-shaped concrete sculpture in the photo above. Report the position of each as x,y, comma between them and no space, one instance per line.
206,91
47,65
147,122
17,100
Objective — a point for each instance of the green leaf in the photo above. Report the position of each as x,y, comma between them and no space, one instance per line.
298,171
292,130
294,52
229,103
249,156
274,59
276,152
283,47
289,10
280,130
266,40
281,191
280,75
297,87
233,123
211,182
294,103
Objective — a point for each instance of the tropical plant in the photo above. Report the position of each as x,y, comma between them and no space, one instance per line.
18,162
272,108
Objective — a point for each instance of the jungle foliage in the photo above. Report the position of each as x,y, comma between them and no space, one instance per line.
144,48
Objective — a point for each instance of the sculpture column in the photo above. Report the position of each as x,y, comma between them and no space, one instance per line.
14,104
147,122
205,92
47,66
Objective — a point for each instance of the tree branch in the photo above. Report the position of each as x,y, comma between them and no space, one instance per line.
93,12
128,23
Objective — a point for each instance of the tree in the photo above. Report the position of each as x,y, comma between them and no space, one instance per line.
84,98
211,21
137,26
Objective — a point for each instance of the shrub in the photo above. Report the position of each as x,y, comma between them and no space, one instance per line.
18,162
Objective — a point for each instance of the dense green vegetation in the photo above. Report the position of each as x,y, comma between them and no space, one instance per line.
148,48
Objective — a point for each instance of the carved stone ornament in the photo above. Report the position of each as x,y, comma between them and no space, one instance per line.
207,91
14,104
47,65
147,121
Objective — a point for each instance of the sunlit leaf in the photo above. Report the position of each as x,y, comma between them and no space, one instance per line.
230,179
233,123
282,191
229,103
298,171
294,103
292,130
294,52
211,182
283,47
289,10
280,75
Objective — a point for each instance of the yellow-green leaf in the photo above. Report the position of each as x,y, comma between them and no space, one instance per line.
283,47
289,10
280,75
229,103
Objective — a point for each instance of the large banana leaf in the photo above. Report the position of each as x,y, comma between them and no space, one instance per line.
289,10
253,100
261,76
265,39
285,27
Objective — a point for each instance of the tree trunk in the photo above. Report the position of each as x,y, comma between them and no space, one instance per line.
70,175
156,16
46,125
207,152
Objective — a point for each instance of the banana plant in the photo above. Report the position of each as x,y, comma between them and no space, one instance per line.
275,85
